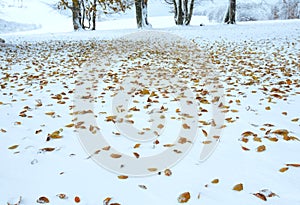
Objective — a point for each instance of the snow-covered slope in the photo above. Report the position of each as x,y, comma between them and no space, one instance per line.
257,64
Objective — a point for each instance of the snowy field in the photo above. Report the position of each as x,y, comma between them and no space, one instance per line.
256,64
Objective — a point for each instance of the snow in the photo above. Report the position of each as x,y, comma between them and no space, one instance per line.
257,63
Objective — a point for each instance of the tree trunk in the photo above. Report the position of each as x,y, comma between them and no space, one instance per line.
230,15
76,15
94,15
183,11
141,13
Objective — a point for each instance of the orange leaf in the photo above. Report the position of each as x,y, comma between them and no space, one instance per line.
215,181
261,148
43,200
283,169
122,177
184,197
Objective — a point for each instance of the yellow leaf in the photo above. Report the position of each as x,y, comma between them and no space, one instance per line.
283,132
145,92
238,187
137,146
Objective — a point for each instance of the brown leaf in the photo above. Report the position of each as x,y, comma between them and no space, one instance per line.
182,140
116,156
62,196
43,200
283,169
152,169
168,172
136,146
184,197
282,132
106,148
122,177
204,132
238,187
136,155
106,200
261,196
293,165
248,133
245,148
186,126
261,148
47,149
215,181
13,147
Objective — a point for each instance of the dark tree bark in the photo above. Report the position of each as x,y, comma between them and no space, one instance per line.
94,15
183,11
230,15
141,12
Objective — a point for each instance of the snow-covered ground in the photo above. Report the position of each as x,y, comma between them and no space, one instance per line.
257,64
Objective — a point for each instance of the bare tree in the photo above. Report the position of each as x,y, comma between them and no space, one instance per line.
84,12
183,11
141,10
230,15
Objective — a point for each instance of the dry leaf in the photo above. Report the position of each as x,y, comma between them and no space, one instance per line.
47,149
106,148
62,196
152,169
122,177
116,156
261,196
204,132
136,155
13,146
245,148
77,199
43,200
238,187
215,181
168,172
293,165
283,169
106,201
136,146
282,132
261,148
184,197
182,140
186,126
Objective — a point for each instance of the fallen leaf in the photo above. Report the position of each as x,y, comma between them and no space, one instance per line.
77,199
186,126
62,196
47,149
152,169
43,200
116,156
136,146
184,197
238,187
283,169
122,177
215,181
13,146
261,148
293,165
168,172
261,196
106,201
